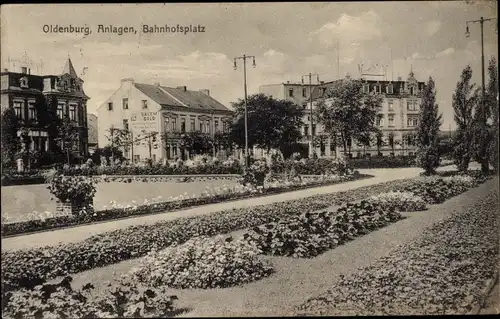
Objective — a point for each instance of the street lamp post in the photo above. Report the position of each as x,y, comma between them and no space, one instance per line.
311,140
484,160
244,58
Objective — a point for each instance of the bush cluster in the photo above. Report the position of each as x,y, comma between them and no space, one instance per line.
124,299
382,162
26,268
400,201
203,262
312,233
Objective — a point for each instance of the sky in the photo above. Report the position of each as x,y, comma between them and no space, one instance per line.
288,40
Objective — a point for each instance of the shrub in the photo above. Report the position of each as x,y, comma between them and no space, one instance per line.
312,233
255,174
399,201
24,268
72,188
433,191
466,181
203,262
123,300
383,162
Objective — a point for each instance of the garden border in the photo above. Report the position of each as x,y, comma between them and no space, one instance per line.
488,287
12,229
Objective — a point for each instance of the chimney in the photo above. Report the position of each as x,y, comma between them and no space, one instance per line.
157,84
29,71
287,82
184,88
321,82
207,92
23,70
6,70
399,78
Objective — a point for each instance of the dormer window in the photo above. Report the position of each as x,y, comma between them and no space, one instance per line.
412,90
376,88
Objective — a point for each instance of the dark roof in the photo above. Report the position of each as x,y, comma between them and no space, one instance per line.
181,98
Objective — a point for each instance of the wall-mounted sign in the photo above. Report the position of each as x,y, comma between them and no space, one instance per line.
145,120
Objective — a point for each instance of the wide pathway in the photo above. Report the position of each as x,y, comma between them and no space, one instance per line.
79,233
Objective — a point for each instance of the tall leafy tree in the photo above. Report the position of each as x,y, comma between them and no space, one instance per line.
348,111
118,139
492,102
428,130
149,139
465,98
67,137
390,140
272,124
10,140
379,140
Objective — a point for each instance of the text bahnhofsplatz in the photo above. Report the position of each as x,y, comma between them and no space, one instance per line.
190,28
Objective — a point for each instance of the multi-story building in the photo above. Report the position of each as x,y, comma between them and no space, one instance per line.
34,96
142,109
399,114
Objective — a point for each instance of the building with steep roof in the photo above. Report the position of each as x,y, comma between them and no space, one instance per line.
400,111
142,109
35,98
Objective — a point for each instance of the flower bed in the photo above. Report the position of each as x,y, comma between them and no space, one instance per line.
399,201
125,299
26,268
202,262
310,234
211,196
442,273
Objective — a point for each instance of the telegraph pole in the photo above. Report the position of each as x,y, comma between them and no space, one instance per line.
484,160
244,58
311,140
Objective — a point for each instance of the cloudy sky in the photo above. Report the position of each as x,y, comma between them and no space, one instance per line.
288,40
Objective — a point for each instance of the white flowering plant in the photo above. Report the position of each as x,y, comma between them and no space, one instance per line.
462,180
399,201
203,262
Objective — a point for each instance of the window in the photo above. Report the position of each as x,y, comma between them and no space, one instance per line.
137,159
323,91
415,122
72,112
201,126
110,106
125,124
391,120
60,110
207,126
376,88
391,105
412,90
24,82
144,104
216,125
309,118
174,125
183,125
304,92
193,127
31,111
167,121
125,103
306,130
290,92
380,121
390,89
314,129
409,122
366,88
18,109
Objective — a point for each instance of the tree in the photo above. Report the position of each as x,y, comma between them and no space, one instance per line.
10,140
465,98
428,130
271,123
379,140
348,111
150,140
390,138
107,152
196,142
118,138
492,102
67,137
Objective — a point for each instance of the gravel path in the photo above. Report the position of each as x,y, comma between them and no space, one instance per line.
296,280
76,234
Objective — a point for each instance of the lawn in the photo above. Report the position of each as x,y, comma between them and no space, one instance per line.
18,201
